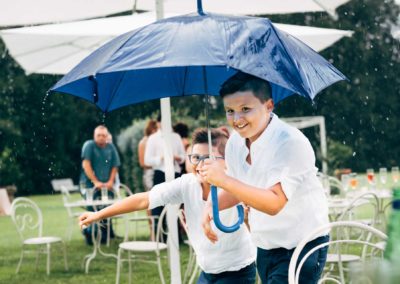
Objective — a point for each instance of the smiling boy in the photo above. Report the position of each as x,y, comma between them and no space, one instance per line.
271,168
229,261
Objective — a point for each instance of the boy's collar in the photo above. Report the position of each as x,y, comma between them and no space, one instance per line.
263,139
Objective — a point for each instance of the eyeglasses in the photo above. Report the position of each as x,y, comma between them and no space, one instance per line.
195,159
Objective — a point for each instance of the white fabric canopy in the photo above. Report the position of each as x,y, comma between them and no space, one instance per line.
246,7
29,12
57,48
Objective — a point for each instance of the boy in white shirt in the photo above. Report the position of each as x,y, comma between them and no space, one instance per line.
271,168
229,261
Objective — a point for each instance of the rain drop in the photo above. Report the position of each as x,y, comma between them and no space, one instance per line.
354,154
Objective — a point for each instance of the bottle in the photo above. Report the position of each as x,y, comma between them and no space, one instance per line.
392,250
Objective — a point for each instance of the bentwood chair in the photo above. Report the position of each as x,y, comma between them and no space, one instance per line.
28,220
143,251
368,248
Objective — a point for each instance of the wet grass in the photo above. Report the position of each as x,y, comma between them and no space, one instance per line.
102,269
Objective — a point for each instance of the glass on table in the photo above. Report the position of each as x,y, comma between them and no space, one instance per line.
371,177
104,194
353,180
395,174
345,179
383,176
89,194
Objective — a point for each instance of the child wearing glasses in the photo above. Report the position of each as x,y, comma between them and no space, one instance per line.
231,260
271,168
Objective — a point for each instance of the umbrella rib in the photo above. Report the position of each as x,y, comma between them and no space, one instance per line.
115,91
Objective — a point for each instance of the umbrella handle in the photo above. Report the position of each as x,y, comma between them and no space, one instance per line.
217,221
200,8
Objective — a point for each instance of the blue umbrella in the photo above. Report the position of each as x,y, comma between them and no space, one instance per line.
193,55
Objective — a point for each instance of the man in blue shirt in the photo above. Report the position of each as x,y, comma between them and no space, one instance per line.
100,166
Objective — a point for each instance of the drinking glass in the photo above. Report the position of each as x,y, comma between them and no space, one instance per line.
345,181
353,180
383,176
104,194
371,177
395,174
89,194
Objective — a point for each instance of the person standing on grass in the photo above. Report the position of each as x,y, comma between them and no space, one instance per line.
229,261
271,168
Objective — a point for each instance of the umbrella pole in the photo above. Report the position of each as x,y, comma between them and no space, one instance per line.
214,191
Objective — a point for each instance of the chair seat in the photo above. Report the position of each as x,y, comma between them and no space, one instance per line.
343,257
42,240
142,246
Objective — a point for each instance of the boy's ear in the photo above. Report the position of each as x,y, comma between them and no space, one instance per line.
270,105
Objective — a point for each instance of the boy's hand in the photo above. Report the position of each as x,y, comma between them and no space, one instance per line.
86,219
213,171
206,223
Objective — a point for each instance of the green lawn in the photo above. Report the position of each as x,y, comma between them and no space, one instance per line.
102,270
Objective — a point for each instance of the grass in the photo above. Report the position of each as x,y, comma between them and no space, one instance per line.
55,220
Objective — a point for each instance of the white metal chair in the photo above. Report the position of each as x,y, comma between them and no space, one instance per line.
369,243
140,250
73,212
28,220
192,269
66,183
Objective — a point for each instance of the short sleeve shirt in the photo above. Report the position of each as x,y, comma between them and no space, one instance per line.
102,161
282,154
232,252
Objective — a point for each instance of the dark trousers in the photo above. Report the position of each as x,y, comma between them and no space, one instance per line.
159,177
246,275
273,264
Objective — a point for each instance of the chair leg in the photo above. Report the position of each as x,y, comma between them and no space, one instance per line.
108,231
119,264
160,269
65,256
37,258
20,260
130,267
69,228
48,259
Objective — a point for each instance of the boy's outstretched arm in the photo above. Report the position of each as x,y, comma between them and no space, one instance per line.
132,203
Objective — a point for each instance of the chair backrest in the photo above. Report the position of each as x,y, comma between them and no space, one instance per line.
335,187
123,188
161,229
294,269
27,218
57,184
362,207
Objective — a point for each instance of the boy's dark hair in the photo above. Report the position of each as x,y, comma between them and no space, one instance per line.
218,138
242,82
182,129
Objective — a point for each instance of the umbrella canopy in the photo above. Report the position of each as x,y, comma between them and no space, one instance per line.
246,7
29,12
57,48
195,54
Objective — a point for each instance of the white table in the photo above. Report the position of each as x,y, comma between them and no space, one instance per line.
96,241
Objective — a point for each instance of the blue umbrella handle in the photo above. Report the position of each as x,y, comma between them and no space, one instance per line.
217,221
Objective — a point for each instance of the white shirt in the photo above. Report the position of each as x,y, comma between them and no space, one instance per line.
231,252
281,154
155,147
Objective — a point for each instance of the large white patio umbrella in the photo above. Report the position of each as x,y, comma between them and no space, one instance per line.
30,12
246,7
57,48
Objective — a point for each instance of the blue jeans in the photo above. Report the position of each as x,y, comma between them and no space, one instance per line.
273,264
246,275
